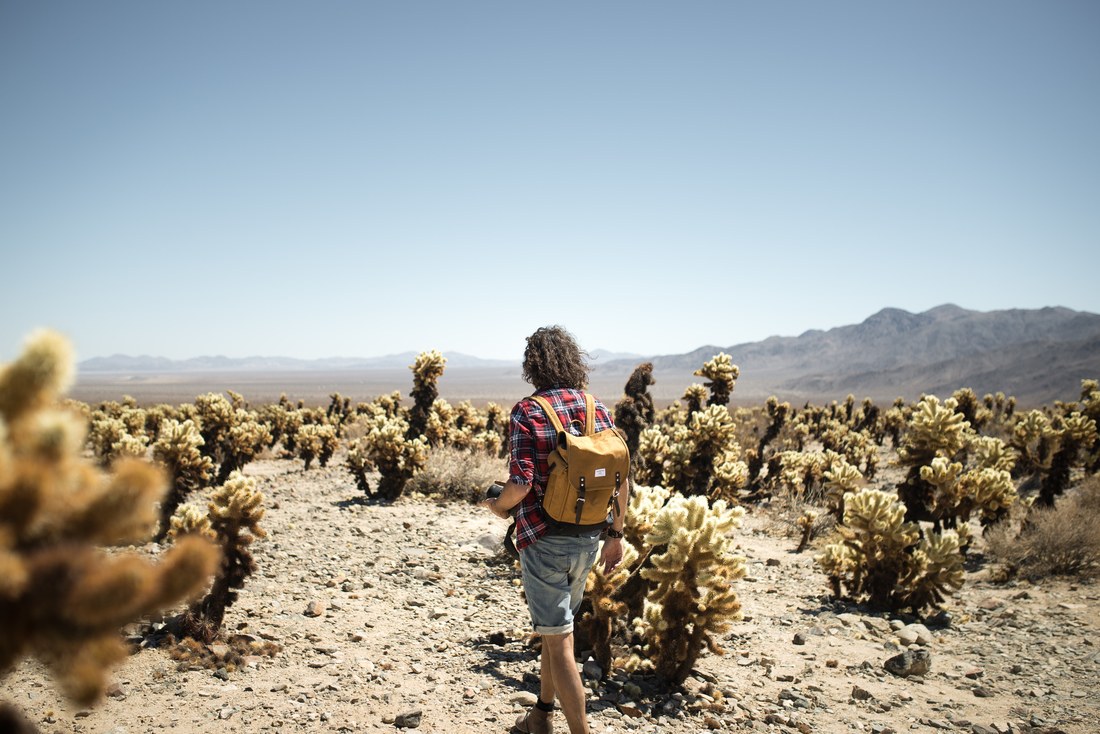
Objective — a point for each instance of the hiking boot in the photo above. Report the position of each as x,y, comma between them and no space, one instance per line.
535,721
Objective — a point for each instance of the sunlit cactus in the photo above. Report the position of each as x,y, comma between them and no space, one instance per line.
440,423
858,447
935,430
63,598
692,601
694,398
881,559
359,464
234,513
396,457
721,373
841,479
177,449
427,369
316,441
246,439
105,432
972,409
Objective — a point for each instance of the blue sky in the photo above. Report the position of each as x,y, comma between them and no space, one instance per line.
317,179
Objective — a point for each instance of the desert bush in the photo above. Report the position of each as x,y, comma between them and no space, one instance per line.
1063,540
63,598
881,559
232,518
457,474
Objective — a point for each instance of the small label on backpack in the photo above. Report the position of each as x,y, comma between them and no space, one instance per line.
601,472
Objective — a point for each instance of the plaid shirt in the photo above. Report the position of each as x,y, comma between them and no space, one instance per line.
532,438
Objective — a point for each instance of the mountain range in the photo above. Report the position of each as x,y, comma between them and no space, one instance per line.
1037,355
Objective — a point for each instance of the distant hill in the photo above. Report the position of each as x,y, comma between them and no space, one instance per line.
161,365
1037,355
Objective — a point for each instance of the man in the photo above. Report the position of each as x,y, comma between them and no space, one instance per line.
554,565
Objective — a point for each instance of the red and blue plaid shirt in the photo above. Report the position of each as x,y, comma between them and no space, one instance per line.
533,438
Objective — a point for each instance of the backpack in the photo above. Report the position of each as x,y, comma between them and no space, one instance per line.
586,473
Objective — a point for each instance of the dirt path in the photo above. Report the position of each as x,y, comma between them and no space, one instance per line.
385,611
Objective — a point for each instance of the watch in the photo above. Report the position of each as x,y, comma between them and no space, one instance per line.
613,533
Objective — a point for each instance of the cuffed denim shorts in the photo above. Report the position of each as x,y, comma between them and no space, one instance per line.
555,568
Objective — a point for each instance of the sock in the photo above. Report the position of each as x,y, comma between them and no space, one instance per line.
547,707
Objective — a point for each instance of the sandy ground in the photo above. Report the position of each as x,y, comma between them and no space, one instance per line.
420,621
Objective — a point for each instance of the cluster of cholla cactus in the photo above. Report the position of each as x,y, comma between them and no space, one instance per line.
316,441
952,472
232,435
881,559
690,568
231,521
63,598
697,452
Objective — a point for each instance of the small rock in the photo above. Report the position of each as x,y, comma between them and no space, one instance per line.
914,661
315,609
861,694
408,720
772,562
592,670
799,638
981,692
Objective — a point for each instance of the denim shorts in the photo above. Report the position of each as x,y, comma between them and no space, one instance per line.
555,568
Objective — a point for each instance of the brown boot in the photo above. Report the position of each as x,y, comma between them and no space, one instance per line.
535,721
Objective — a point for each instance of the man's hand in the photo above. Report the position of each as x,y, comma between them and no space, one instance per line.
612,554
495,508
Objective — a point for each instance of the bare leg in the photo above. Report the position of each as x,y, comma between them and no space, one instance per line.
564,681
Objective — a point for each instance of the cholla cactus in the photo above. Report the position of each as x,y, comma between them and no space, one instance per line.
935,430
1032,439
1077,432
359,464
178,451
427,369
882,559
634,413
62,599
397,458
316,441
777,413
235,507
721,373
439,426
604,611
701,457
694,397
841,479
246,439
692,601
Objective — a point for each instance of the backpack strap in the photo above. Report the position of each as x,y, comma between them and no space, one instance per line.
589,413
550,412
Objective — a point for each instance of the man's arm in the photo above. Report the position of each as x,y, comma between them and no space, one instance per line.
512,494
611,555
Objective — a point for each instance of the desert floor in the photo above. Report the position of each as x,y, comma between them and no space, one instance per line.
391,615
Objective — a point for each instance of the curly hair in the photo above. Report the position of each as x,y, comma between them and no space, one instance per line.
553,359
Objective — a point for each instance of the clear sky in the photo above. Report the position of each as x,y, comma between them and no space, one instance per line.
339,178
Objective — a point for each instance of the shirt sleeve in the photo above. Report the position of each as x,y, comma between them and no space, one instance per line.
521,466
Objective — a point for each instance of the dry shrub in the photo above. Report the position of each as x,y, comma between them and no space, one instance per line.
455,474
1059,541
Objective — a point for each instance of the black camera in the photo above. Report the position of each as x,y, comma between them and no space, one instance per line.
493,490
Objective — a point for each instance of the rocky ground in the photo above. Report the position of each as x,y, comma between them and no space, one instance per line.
408,616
